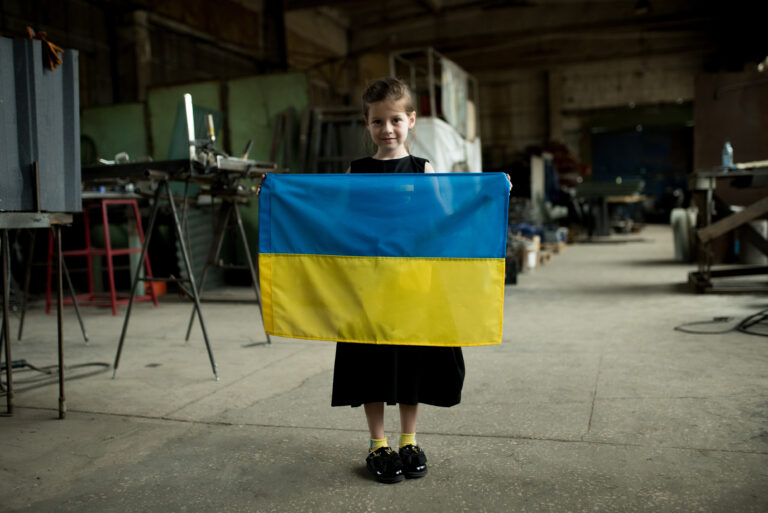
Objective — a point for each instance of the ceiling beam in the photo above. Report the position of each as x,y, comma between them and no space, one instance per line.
497,62
451,28
290,5
432,5
489,7
446,40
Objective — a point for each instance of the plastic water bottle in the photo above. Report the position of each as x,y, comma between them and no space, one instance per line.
727,155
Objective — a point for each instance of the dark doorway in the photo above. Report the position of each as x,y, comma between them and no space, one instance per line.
659,156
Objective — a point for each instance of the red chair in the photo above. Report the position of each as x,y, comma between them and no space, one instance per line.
112,298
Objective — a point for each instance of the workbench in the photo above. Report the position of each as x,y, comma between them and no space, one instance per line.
32,220
224,182
601,198
716,191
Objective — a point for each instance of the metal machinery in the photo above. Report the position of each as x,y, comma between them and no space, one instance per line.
206,166
729,199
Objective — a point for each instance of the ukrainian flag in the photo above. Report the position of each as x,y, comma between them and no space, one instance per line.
409,259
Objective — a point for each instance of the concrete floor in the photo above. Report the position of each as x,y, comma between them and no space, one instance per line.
592,403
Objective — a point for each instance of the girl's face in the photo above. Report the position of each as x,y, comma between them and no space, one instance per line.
388,123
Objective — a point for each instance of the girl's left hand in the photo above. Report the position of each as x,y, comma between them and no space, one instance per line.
261,181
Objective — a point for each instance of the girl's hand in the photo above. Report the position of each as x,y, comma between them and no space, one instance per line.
261,181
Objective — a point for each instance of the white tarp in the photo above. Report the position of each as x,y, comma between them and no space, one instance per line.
447,151
454,95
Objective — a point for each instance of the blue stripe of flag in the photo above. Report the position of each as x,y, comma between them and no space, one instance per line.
458,215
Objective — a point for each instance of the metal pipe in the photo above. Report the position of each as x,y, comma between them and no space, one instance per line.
27,277
185,230
211,129
190,126
6,326
431,82
60,319
254,275
150,229
74,300
213,255
188,266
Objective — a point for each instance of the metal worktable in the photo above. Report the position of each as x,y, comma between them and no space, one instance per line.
715,191
20,220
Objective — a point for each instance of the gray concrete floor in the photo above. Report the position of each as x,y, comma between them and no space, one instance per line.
592,403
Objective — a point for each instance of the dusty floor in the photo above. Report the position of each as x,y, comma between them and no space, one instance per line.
592,403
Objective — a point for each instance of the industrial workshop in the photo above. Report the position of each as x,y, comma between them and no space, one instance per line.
408,255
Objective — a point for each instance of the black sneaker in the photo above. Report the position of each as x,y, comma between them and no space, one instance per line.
414,461
385,465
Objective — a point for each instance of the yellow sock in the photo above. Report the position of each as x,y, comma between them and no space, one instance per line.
378,443
407,439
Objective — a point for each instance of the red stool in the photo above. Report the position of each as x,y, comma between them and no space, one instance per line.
102,299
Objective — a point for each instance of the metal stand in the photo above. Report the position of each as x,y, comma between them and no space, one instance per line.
14,220
6,262
164,183
225,213
59,319
27,276
25,295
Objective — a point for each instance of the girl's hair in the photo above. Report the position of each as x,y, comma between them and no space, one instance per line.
387,89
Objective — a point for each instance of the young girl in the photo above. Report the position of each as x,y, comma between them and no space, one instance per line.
372,375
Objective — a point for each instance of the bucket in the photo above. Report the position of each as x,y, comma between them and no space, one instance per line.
683,222
531,252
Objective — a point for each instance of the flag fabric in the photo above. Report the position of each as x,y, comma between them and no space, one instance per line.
408,259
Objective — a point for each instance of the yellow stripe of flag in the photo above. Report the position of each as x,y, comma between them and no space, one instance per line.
384,300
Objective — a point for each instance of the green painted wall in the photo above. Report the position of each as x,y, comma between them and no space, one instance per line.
115,129
164,104
254,102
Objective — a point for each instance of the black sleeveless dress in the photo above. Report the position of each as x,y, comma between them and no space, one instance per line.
367,373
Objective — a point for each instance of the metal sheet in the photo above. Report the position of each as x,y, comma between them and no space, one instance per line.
39,122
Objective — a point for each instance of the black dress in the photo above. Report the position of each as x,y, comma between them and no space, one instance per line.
367,373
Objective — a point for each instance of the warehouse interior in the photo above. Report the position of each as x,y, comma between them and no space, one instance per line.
137,373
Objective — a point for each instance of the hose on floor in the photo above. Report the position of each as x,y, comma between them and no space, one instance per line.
746,325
